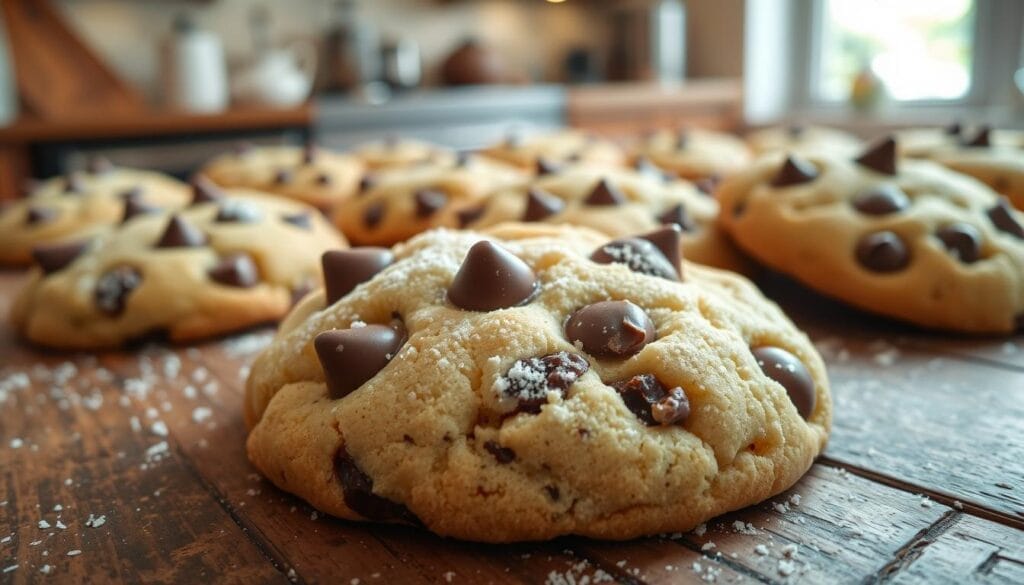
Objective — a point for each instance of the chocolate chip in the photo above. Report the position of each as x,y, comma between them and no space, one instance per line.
309,152
963,241
283,177
237,211
654,254
57,256
954,129
541,204
300,220
429,201
787,369
1002,216
503,455
235,270
546,167
654,404
982,139
553,492
373,214
134,207
73,185
529,380
39,215
323,179
99,165
794,171
880,157
350,357
468,216
204,191
366,183
113,288
881,200
346,269
611,329
180,233
676,215
491,278
883,252
357,491
605,193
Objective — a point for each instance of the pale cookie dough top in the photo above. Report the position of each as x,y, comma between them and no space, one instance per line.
396,153
903,238
809,140
995,158
214,267
397,204
927,142
694,153
505,386
566,146
80,205
311,174
617,202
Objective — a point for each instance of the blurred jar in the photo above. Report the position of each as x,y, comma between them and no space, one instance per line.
193,69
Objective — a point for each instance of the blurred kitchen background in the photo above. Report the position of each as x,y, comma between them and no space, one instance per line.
165,84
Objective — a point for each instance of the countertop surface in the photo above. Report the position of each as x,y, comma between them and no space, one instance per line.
130,466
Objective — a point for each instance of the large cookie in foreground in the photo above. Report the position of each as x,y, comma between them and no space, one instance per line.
904,238
80,205
220,265
505,386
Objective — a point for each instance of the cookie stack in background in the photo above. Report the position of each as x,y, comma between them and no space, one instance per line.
560,327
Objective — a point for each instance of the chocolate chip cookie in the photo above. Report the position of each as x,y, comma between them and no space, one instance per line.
532,382
694,154
905,238
994,159
397,204
395,153
222,264
616,202
564,147
79,205
803,139
311,174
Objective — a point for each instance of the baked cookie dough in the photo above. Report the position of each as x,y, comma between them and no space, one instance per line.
80,205
311,174
559,148
395,205
396,153
927,142
219,265
695,154
799,138
534,382
904,238
998,164
618,202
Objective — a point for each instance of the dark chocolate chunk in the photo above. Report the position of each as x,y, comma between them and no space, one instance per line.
366,183
468,216
880,157
429,201
654,404
235,270
529,380
676,215
655,254
237,211
787,369
963,241
283,176
541,204
204,191
553,492
954,129
134,207
491,278
794,171
357,488
39,215
346,269
57,256
300,220
113,288
881,200
373,214
503,455
1002,216
605,193
350,357
309,152
180,233
99,165
883,251
611,329
546,167
982,139
323,179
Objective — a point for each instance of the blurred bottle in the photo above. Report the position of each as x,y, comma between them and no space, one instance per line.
193,69
352,57
403,68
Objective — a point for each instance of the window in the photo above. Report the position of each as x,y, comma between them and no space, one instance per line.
919,50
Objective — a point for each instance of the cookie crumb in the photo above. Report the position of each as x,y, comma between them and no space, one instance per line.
74,553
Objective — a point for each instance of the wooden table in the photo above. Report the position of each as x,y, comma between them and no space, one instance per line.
923,481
